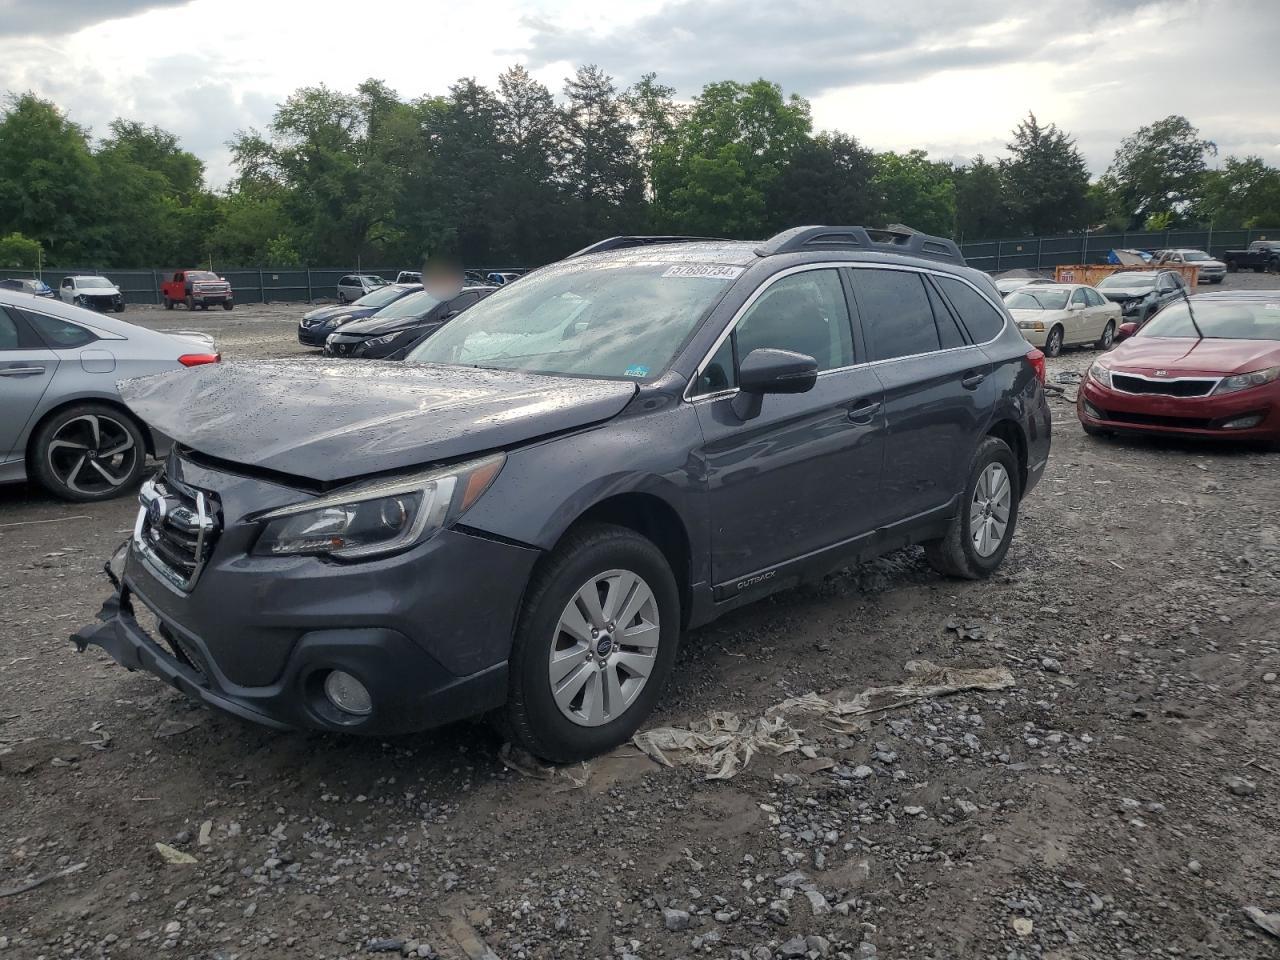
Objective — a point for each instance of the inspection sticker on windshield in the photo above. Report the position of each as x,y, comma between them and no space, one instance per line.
705,271
636,370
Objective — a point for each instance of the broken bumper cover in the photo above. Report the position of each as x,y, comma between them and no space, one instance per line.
409,688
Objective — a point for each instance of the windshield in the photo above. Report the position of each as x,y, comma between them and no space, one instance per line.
380,297
1037,298
202,275
1222,320
375,281
1191,256
606,319
1129,280
416,304
93,283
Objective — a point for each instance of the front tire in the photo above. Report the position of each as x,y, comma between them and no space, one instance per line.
979,535
596,639
168,304
1108,336
191,303
227,305
1053,342
89,452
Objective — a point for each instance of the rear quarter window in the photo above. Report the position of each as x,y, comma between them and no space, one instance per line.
983,321
59,334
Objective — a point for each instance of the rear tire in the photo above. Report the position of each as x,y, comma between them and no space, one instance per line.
958,554
88,452
553,629
1108,336
1053,342
168,304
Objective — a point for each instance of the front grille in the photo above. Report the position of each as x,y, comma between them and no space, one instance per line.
176,529
1182,387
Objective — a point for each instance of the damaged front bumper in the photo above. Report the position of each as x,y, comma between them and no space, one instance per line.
409,688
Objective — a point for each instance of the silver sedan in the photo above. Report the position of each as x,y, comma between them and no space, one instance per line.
62,422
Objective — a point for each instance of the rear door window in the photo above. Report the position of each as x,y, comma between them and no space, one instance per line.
60,334
897,318
983,321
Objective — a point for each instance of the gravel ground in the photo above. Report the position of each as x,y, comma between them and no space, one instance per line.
1120,800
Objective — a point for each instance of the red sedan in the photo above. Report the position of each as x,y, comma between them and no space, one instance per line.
1209,367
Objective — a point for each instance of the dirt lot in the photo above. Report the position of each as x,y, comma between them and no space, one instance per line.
1120,799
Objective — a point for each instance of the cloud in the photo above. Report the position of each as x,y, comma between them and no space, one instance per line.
21,18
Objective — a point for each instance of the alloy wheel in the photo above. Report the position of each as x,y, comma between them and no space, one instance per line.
989,509
605,647
92,454
1053,346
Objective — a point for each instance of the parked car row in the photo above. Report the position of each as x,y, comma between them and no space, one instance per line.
385,323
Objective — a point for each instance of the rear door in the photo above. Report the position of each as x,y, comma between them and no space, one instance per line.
804,475
26,369
932,377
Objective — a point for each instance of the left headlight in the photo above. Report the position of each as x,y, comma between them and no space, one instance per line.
1243,381
376,518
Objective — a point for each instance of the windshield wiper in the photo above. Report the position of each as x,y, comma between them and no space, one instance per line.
1192,314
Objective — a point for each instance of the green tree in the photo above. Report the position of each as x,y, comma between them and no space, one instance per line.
654,115
1244,193
1045,179
158,151
48,177
828,179
1158,168
530,189
603,169
982,204
714,174
918,192
20,253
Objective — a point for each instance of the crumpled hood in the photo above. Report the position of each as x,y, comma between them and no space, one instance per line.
335,421
1120,294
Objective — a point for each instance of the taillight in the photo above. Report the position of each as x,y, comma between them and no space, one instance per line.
196,359
1036,359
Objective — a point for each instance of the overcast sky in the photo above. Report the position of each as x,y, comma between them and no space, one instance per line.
950,77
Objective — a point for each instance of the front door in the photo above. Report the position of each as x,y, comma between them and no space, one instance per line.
804,475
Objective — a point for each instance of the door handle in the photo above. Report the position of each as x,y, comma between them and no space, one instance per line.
20,371
971,381
864,410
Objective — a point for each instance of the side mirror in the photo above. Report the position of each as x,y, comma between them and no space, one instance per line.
1127,330
771,371
1075,306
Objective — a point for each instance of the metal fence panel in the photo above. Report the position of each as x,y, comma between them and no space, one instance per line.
1045,253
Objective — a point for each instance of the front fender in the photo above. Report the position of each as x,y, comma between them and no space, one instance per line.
547,486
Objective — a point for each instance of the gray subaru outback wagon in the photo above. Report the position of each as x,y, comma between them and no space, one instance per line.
524,517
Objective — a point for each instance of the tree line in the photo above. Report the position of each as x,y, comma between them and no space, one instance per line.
515,175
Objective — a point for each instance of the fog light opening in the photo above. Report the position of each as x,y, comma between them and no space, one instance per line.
1093,411
1243,423
347,693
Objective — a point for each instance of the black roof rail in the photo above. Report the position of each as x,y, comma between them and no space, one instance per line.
891,239
619,243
